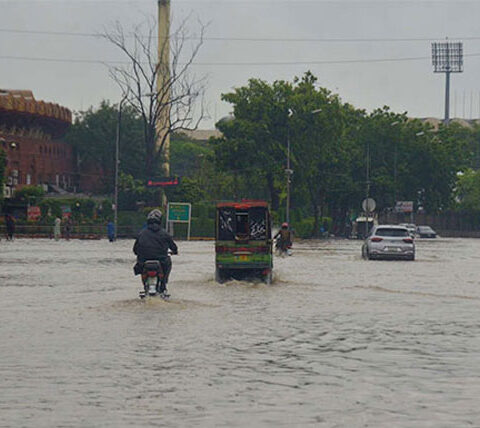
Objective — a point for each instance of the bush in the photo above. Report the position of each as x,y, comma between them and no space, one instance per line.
51,208
304,228
31,194
203,227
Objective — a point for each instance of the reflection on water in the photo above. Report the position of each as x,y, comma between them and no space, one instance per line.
334,341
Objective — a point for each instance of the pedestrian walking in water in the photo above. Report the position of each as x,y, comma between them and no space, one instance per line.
56,228
68,228
10,226
111,231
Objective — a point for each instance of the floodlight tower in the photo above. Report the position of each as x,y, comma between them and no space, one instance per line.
447,57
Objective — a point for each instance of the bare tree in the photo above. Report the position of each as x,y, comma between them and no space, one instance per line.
167,96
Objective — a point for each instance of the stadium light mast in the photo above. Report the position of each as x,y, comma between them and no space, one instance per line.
447,57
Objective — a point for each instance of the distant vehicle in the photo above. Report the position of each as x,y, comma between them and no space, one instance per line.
359,228
389,242
412,229
426,232
243,247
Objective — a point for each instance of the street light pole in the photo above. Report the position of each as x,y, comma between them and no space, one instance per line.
117,163
395,156
289,171
367,193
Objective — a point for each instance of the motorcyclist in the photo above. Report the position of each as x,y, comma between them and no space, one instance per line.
284,238
153,243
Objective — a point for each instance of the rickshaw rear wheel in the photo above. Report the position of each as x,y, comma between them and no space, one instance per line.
267,279
219,275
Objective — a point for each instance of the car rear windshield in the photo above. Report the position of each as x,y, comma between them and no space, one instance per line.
391,232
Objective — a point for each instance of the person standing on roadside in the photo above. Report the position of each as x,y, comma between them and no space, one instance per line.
68,228
56,228
10,226
111,231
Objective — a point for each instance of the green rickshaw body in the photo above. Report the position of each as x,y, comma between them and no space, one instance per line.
243,246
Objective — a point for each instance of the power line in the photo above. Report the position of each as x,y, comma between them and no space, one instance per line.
253,39
236,64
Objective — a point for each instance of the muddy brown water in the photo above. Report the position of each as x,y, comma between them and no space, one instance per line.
335,341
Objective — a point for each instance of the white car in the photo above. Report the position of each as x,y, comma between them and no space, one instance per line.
389,242
411,228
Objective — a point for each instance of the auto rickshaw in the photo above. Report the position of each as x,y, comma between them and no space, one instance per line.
362,226
243,247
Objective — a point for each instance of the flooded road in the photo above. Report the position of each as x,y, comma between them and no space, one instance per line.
334,342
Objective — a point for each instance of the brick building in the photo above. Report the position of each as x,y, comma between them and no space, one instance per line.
31,134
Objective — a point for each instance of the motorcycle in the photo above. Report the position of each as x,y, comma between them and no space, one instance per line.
154,280
283,249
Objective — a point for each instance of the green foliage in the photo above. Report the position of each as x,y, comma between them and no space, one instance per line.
468,191
93,137
81,208
30,194
253,146
202,227
189,190
132,190
331,142
187,156
51,208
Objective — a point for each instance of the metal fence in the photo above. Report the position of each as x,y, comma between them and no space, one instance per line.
77,232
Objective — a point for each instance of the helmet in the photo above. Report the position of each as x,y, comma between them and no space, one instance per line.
285,224
154,216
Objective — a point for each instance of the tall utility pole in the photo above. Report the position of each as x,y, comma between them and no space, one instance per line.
117,163
288,170
447,57
367,190
163,80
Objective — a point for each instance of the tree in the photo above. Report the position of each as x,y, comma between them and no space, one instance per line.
254,142
163,95
316,129
93,137
468,191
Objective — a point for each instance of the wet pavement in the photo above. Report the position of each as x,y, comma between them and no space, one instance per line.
335,341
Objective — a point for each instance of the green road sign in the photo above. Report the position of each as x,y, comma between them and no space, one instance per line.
179,212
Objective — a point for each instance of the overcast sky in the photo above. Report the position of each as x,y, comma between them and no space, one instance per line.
405,85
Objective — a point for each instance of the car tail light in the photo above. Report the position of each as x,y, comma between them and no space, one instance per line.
377,239
408,240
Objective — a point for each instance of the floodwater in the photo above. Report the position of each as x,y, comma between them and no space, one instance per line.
335,341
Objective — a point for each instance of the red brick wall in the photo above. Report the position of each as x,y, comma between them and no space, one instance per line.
37,161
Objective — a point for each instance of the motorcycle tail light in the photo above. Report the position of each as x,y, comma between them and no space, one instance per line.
376,239
152,273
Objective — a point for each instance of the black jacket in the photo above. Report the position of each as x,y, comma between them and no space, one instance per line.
153,243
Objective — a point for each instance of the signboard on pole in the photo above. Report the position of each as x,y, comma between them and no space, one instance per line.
369,205
180,212
33,213
404,207
163,182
